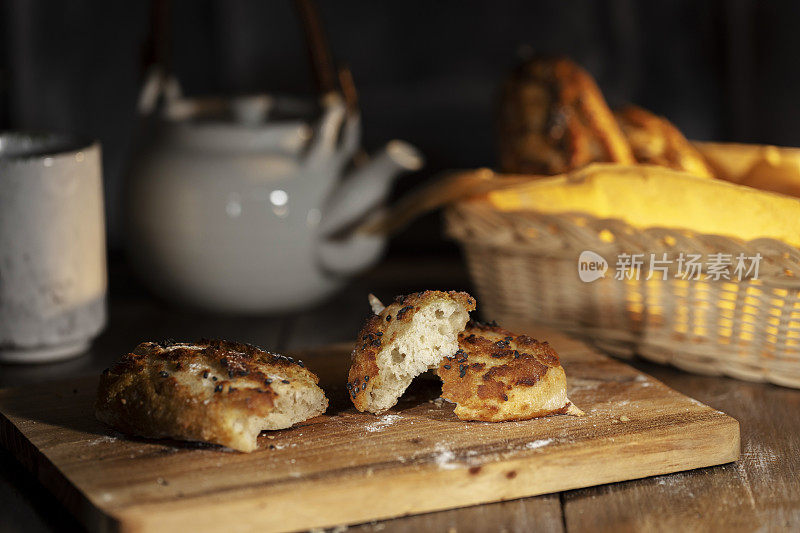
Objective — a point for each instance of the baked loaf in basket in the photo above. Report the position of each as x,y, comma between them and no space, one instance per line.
553,119
656,141
497,376
210,391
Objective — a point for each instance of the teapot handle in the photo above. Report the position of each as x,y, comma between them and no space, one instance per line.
157,84
338,134
159,80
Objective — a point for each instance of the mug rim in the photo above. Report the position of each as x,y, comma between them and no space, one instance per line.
37,145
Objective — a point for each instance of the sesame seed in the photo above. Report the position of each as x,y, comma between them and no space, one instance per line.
286,381
218,388
164,374
205,374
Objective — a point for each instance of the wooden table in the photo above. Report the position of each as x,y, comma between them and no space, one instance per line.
759,492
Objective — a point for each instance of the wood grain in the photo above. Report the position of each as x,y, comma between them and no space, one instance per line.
761,491
541,514
348,467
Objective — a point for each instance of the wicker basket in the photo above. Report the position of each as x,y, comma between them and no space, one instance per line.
525,268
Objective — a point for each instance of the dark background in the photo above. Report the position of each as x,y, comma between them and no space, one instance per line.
427,71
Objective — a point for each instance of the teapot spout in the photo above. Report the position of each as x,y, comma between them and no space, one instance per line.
368,185
350,254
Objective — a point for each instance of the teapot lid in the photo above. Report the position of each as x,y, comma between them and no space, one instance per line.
252,123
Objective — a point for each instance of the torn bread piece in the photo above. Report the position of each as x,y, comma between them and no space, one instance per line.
211,391
498,376
403,340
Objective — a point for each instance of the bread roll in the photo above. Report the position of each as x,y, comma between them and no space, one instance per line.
554,119
211,391
497,376
656,141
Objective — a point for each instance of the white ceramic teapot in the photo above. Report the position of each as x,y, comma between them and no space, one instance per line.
232,212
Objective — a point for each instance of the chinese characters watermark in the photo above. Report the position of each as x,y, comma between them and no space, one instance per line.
663,266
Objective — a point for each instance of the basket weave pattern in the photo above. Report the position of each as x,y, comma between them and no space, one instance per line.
524,267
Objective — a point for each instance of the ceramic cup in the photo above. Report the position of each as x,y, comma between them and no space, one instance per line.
52,247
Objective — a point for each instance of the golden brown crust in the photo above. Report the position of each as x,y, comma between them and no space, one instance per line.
193,391
656,141
380,329
554,119
499,376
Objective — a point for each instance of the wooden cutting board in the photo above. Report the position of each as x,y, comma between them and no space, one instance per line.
347,467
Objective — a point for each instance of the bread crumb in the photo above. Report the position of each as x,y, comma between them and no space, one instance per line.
538,444
100,440
439,402
382,422
444,457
